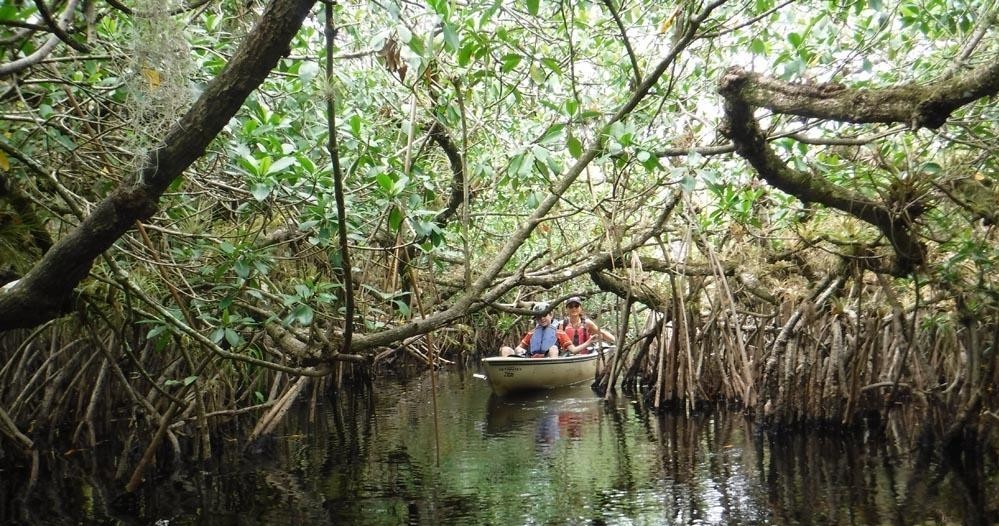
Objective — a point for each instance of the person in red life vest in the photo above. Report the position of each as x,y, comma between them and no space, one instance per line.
544,339
581,330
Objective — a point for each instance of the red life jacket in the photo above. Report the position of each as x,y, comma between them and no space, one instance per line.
579,334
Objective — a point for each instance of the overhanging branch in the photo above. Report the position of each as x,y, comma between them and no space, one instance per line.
742,91
45,290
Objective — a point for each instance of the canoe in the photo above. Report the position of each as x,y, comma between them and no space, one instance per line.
512,374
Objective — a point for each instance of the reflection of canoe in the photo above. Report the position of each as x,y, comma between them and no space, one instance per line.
517,411
513,374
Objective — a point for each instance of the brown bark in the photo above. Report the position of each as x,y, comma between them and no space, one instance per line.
47,289
919,105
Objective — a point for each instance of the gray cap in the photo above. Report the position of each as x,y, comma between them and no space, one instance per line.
540,308
574,299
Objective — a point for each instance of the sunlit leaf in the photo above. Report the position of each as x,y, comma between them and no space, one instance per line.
451,39
303,314
553,134
385,182
465,53
395,218
232,337
575,147
281,164
355,124
260,191
511,61
308,71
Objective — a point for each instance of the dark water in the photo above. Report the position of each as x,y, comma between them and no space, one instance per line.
565,457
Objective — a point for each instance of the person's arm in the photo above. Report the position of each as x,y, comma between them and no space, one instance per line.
595,333
605,336
564,342
525,343
568,346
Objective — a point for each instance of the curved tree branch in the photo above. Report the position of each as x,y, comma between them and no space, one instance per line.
440,136
627,43
919,105
44,292
741,89
57,28
43,51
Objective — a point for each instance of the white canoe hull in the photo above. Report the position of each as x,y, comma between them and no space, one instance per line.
513,374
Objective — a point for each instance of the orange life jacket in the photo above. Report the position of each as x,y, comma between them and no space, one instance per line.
579,334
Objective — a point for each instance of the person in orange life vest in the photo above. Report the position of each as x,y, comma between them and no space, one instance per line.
581,330
544,339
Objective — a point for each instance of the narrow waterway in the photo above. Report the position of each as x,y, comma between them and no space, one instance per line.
563,457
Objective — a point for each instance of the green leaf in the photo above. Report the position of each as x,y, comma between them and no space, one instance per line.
571,107
155,331
551,64
532,6
303,314
355,124
553,134
281,164
308,71
190,380
575,147
532,200
303,291
260,191
242,268
405,35
515,163
510,61
402,306
395,218
232,337
399,185
487,15
439,6
932,168
385,182
537,75
465,54
451,39
416,45
688,184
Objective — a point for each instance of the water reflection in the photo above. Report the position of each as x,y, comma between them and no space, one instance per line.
560,414
561,457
